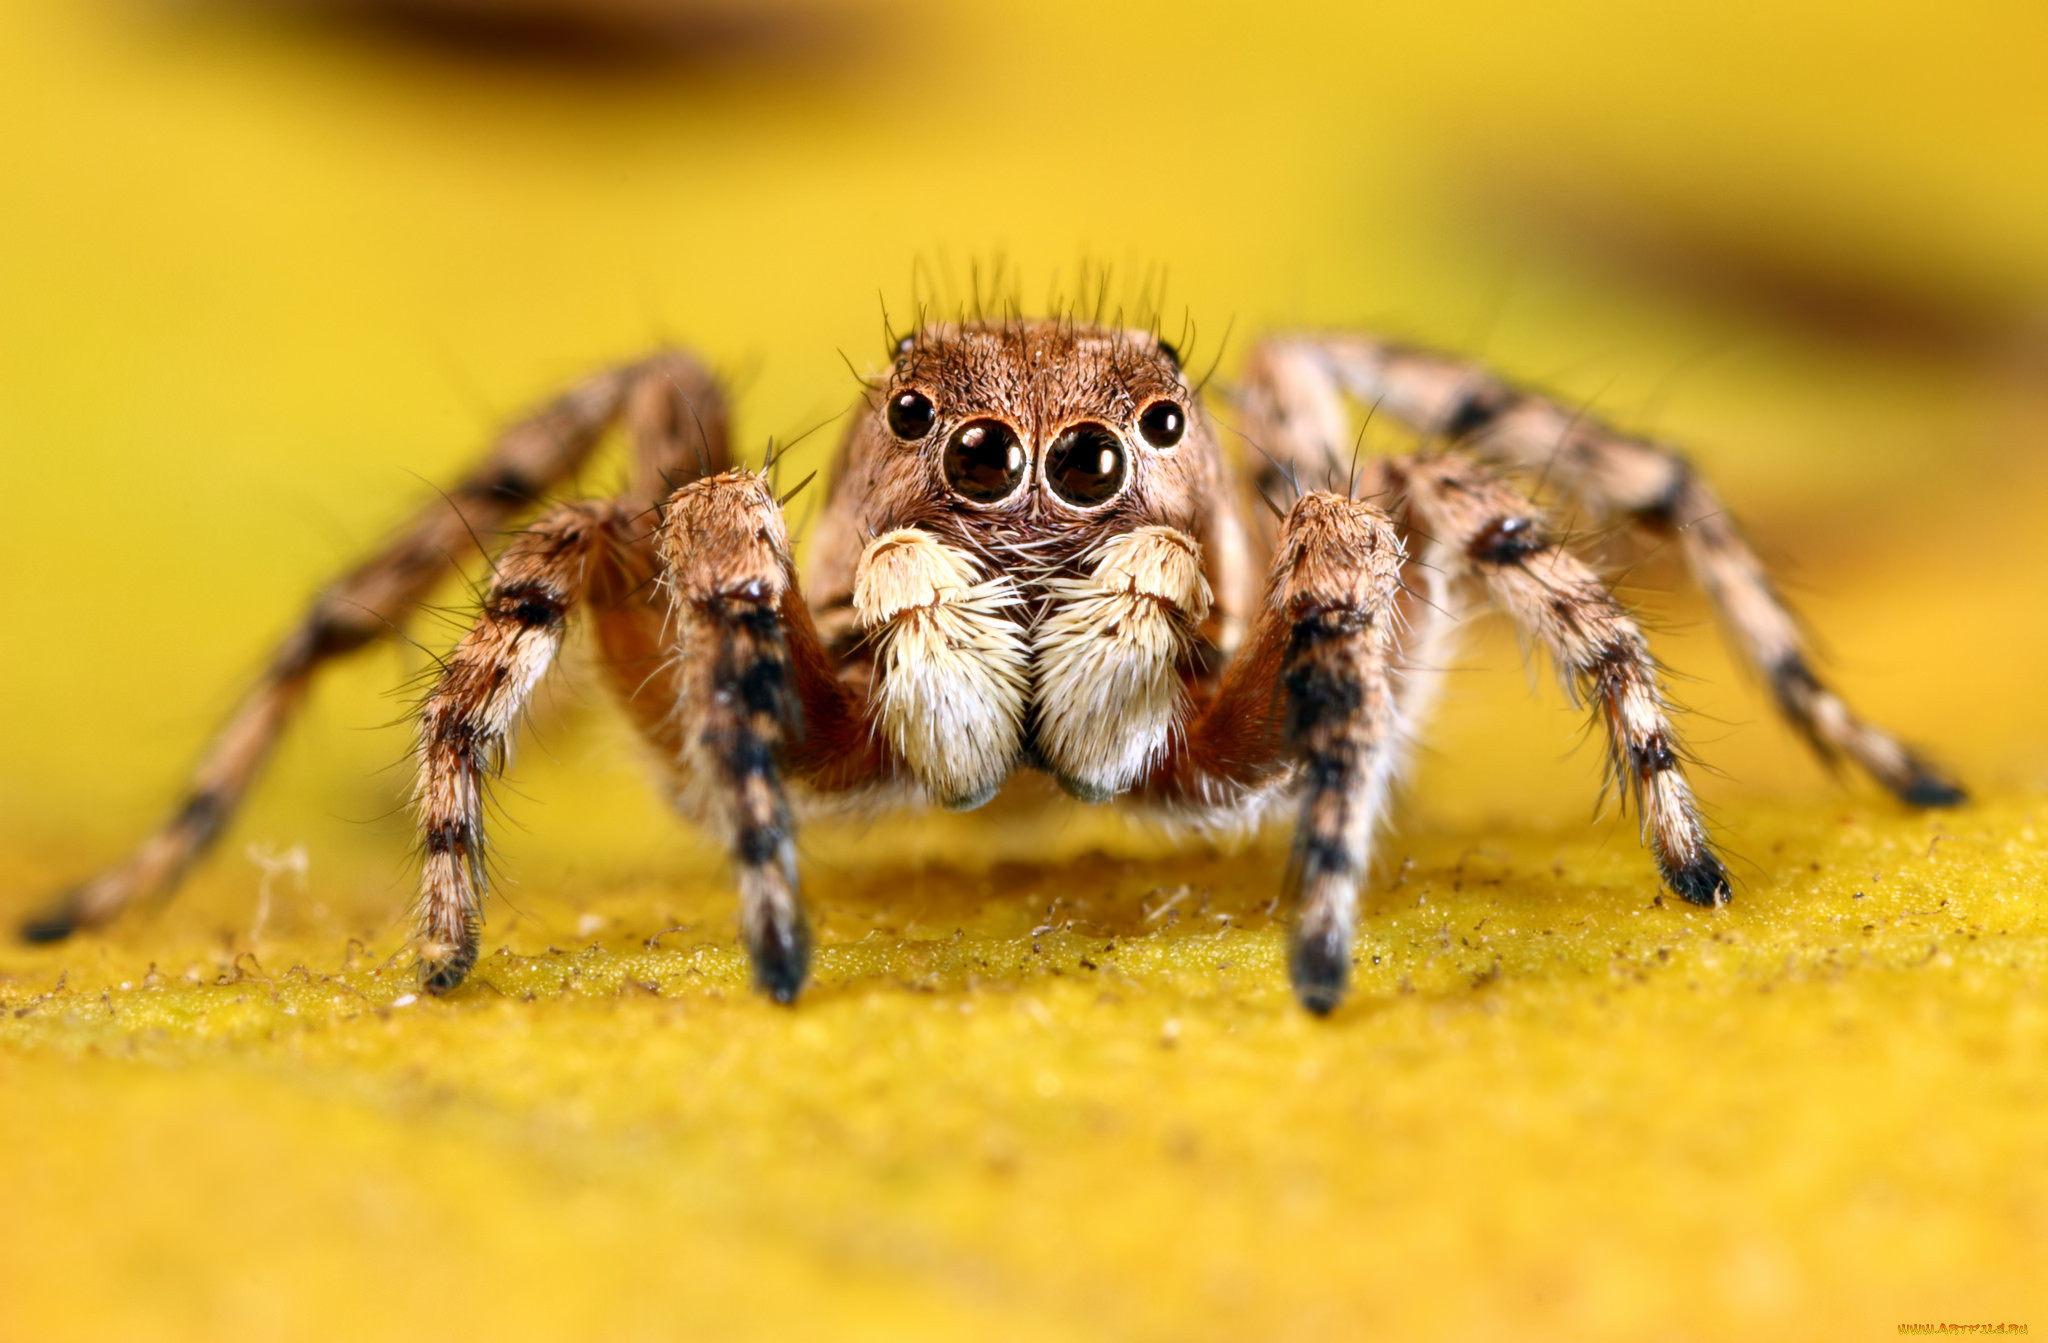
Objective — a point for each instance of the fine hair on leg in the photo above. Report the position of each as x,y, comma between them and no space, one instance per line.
677,416
1308,705
1335,577
1645,485
1480,526
725,556
467,723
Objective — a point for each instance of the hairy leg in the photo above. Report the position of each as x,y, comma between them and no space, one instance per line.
1479,525
724,686
1296,430
467,723
758,701
678,420
1647,485
1311,697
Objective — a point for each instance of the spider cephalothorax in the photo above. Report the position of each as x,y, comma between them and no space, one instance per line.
1035,555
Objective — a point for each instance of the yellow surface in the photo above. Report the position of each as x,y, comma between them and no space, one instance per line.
1049,1082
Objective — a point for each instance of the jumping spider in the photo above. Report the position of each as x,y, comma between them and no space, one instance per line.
1035,554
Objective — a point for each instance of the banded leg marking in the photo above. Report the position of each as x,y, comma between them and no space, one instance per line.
1650,486
751,712
1335,579
528,458
725,552
467,723
1480,525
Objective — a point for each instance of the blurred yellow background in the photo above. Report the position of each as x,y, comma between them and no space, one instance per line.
266,270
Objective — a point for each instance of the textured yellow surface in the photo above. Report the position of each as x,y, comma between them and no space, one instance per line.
1048,1082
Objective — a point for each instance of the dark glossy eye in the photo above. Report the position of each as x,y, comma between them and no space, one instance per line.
1085,465
984,461
1162,424
911,415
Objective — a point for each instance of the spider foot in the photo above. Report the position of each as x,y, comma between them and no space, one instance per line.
1319,964
53,925
442,969
1703,881
1925,786
782,959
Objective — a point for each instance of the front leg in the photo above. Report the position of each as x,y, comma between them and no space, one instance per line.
756,692
1335,578
757,697
1310,698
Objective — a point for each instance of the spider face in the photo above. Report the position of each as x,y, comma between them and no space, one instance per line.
1039,433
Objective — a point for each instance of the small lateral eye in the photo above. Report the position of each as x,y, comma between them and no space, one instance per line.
1162,424
1085,465
984,461
911,415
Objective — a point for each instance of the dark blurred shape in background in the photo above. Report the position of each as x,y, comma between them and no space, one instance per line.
1836,280
594,36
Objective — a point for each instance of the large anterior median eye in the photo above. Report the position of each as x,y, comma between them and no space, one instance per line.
1085,465
984,461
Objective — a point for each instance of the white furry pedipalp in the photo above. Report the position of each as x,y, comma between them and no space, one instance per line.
1108,659
952,666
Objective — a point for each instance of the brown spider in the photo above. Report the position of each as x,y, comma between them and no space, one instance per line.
1034,554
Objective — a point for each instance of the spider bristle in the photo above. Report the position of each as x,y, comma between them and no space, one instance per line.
873,384
1217,362
703,460
783,502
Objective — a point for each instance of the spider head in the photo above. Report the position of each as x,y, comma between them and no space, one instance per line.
1043,427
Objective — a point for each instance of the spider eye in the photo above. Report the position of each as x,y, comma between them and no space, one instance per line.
911,415
1162,424
1085,465
984,461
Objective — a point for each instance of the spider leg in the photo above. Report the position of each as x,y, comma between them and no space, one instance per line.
1311,698
570,555
1479,525
1646,485
678,419
759,702
749,695
1297,429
